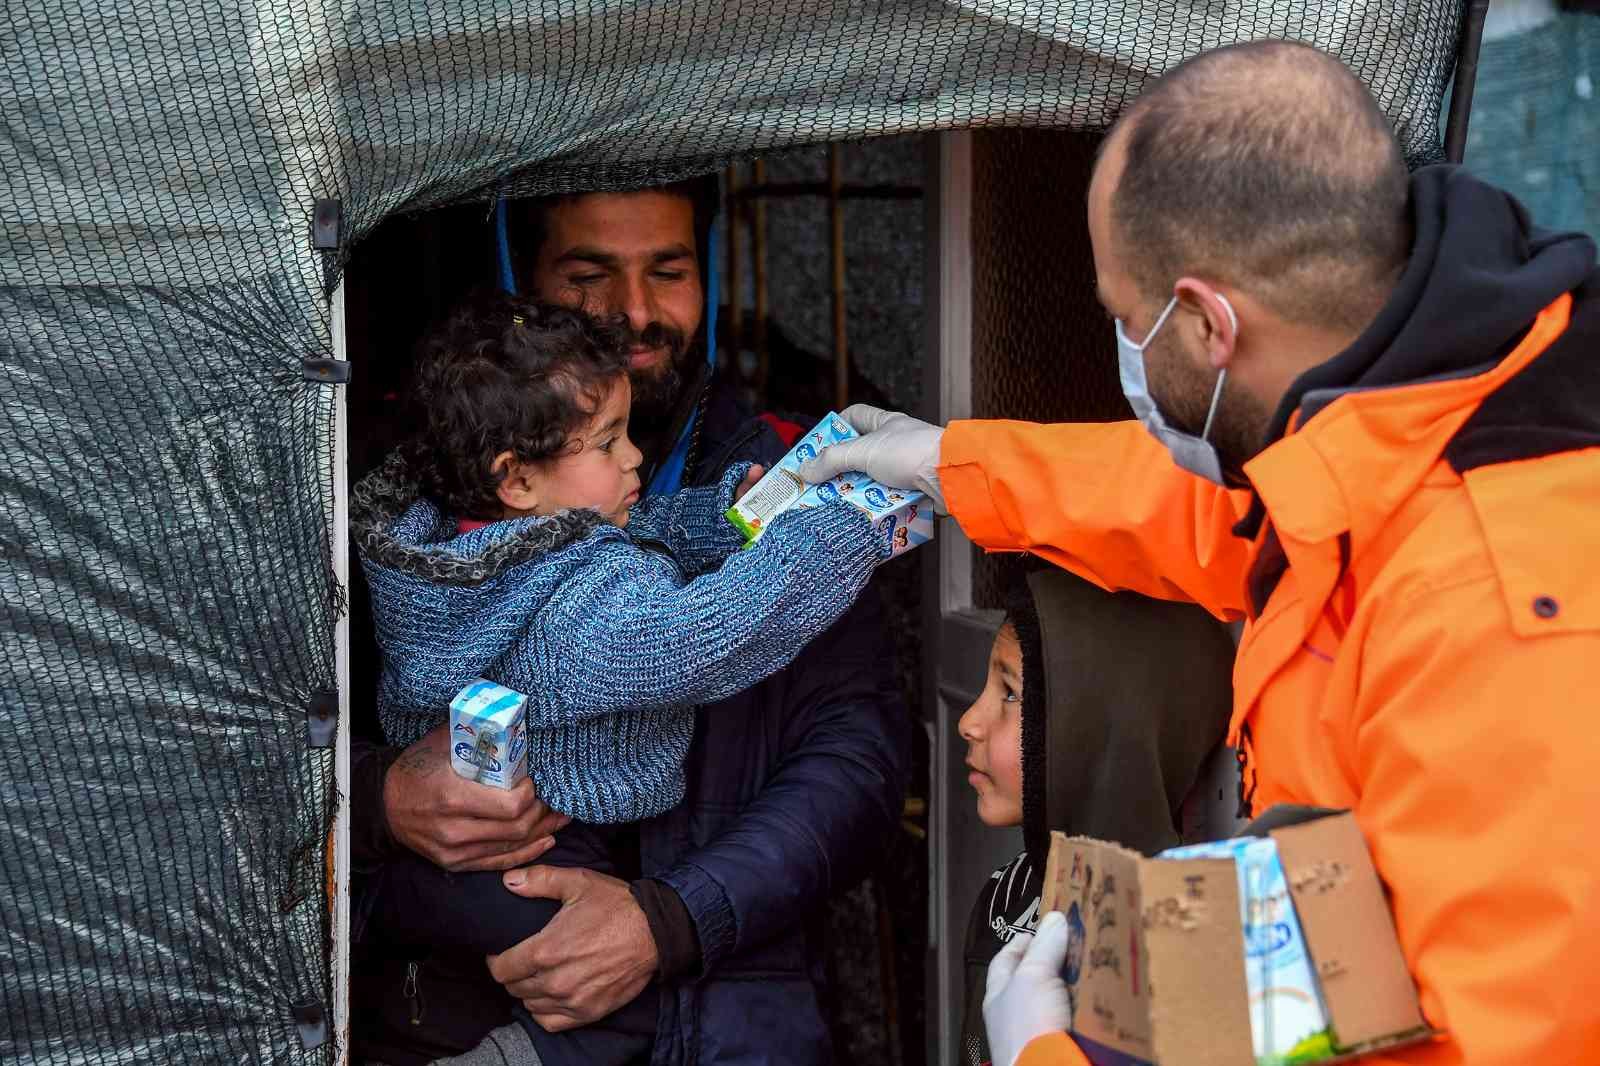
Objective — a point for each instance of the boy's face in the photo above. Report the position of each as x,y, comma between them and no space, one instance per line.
992,728
598,471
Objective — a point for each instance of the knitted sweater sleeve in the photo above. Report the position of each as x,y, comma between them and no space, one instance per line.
626,633
690,523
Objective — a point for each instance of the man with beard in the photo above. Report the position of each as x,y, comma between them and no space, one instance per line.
792,785
1373,414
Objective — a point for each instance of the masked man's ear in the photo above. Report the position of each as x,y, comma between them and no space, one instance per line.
1215,319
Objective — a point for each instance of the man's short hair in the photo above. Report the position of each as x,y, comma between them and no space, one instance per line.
527,228
1267,165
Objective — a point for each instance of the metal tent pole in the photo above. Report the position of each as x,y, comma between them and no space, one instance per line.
1455,130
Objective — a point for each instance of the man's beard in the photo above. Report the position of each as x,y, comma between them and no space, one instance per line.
1183,393
658,390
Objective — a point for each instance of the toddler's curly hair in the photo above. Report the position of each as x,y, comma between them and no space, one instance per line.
506,375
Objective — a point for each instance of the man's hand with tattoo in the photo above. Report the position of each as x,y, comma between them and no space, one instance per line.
458,824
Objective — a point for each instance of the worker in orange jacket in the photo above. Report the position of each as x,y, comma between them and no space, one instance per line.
1371,429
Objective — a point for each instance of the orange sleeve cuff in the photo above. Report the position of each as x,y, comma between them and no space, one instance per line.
966,488
1052,1049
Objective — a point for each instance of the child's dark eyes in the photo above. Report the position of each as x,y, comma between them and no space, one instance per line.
1013,696
606,446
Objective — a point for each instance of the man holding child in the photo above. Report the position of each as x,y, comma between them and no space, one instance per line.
790,783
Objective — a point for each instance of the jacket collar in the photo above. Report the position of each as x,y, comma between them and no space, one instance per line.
1360,453
1478,273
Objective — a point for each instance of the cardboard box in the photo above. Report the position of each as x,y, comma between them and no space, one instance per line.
901,518
488,741
1157,968
1288,1021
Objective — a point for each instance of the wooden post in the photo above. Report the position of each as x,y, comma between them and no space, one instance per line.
841,353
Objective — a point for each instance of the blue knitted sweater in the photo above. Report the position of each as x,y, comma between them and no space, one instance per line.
607,631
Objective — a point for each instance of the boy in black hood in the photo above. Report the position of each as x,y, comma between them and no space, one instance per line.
1098,714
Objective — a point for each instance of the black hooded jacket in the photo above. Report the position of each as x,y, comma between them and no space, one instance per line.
1123,700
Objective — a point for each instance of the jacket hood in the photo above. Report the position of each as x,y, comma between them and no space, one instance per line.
1480,272
1472,360
394,526
1124,697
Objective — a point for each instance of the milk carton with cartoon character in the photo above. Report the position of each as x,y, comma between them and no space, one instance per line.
902,518
488,741
782,485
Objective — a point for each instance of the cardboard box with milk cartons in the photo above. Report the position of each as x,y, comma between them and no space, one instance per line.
1278,951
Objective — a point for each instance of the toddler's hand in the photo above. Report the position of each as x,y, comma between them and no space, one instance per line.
749,482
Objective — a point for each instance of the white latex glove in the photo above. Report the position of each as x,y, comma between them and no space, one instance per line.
894,449
1025,996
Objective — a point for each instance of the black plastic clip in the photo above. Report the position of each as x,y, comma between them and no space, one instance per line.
326,371
322,719
326,216
312,1021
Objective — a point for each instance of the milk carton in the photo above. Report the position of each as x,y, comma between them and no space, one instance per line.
902,518
782,485
1289,1023
488,741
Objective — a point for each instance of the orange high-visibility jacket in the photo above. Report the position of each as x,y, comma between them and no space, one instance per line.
1422,646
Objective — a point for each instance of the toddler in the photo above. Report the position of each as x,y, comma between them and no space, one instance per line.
510,542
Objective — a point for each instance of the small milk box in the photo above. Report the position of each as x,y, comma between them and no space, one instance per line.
488,740
901,518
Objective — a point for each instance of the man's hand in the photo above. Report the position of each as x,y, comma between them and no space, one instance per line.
595,956
1025,997
749,481
895,449
460,824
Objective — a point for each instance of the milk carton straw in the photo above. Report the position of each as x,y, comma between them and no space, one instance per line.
488,741
902,518
1289,1023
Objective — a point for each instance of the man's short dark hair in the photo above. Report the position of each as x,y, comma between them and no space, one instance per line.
506,375
1270,166
527,226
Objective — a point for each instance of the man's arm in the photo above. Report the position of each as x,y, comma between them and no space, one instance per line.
411,798
815,828
820,821
1478,756
1103,500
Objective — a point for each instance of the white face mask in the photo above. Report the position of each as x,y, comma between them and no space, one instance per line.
1194,454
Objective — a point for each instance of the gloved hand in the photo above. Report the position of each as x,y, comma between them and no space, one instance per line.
894,449
1025,996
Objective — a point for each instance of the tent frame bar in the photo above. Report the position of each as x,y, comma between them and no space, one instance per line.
1455,130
